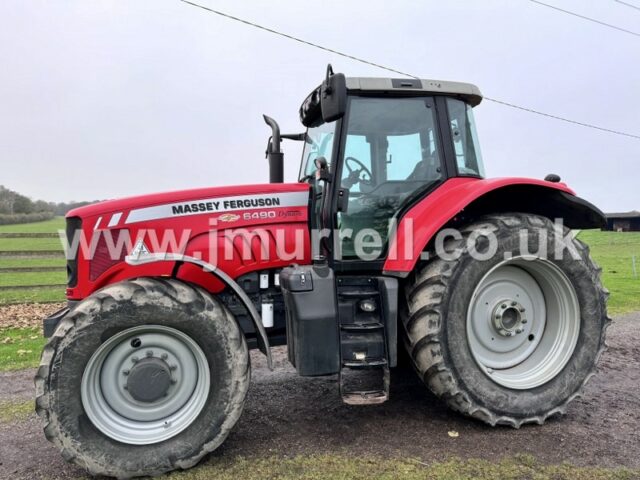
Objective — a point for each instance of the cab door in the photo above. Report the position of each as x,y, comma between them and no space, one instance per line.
391,154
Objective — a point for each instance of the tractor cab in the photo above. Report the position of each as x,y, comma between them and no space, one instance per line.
374,146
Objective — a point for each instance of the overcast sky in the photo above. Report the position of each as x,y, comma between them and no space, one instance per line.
102,99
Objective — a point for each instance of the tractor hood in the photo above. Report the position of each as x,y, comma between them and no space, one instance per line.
182,203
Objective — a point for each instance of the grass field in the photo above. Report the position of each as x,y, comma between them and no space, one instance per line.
35,295
36,259
20,348
49,226
614,251
12,262
30,244
32,278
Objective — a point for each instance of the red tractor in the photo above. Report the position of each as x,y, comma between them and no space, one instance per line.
391,245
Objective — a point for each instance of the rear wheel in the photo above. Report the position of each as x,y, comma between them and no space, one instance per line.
143,377
513,337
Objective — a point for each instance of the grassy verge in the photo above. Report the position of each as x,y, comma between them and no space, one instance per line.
48,226
32,278
338,467
614,251
11,262
13,244
34,295
15,411
20,348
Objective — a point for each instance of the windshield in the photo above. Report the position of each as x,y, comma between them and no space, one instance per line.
319,143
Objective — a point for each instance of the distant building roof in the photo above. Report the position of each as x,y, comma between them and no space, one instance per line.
632,214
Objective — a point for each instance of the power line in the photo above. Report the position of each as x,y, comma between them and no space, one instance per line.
377,65
291,37
628,4
586,18
568,120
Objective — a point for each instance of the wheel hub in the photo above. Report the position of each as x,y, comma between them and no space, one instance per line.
149,380
509,318
145,384
523,322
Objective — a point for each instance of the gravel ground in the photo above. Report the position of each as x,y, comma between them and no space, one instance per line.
287,415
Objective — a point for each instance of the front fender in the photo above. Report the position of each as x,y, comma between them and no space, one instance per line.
474,197
263,340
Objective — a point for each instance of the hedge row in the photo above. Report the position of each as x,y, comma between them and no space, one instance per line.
6,219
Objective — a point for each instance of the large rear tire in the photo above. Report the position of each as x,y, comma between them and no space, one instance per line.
143,377
511,338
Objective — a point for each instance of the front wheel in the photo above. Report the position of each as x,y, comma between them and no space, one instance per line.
511,337
143,377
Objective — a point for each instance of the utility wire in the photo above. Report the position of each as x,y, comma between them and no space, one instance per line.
628,4
377,65
291,37
568,120
586,18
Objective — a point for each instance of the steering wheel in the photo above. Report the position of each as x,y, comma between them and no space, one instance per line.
354,173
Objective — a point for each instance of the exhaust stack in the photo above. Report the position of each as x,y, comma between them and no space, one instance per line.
273,153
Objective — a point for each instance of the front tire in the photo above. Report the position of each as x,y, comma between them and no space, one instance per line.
143,377
514,337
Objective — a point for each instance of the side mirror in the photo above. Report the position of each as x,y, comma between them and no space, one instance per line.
322,169
333,95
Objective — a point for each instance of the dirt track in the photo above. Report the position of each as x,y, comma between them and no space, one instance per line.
287,415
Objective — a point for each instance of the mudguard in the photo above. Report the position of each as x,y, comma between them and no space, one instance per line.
263,340
474,197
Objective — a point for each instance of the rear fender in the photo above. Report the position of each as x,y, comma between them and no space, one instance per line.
464,199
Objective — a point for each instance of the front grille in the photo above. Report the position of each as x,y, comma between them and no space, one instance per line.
74,227
103,259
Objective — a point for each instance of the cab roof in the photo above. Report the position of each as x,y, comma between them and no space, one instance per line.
391,86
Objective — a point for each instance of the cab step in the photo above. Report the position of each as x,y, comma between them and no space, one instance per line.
365,385
364,353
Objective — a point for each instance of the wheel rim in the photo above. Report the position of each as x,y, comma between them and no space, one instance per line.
145,384
523,322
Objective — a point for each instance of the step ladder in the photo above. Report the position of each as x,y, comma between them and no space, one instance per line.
364,372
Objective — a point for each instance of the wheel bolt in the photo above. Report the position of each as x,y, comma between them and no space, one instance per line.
135,359
513,304
521,309
125,372
164,356
173,367
149,353
173,381
504,305
520,330
524,320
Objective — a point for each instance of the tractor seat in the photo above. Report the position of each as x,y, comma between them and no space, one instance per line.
426,170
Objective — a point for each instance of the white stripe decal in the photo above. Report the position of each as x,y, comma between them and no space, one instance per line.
97,225
218,205
115,219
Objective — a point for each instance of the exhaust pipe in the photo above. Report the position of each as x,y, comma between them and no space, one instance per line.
274,154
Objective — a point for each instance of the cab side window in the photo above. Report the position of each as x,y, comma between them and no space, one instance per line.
465,138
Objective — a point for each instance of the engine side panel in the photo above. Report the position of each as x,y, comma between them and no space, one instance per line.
239,231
